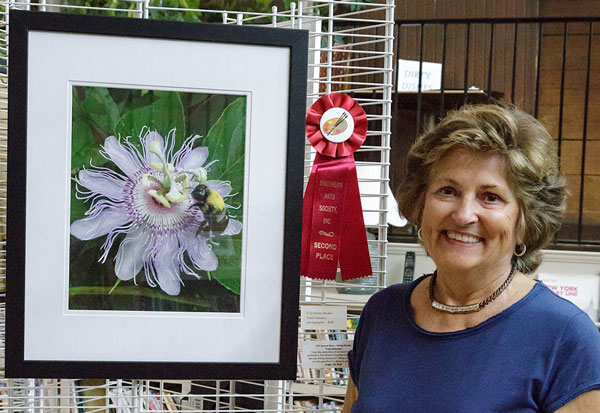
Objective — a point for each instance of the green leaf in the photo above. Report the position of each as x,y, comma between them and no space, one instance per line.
78,207
226,142
192,16
229,271
82,144
162,115
226,138
121,95
199,98
203,110
100,108
83,150
78,96
134,291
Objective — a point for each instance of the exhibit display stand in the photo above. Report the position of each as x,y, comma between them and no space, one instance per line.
204,309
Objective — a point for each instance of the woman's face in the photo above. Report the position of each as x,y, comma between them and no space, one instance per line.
470,214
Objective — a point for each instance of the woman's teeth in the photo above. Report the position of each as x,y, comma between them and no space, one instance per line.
462,238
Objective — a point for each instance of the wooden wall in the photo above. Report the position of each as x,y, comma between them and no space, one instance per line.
571,129
480,38
569,126
522,91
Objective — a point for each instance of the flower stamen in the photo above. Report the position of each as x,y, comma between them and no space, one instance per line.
159,198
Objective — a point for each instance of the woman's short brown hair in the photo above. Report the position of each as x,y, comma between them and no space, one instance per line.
531,168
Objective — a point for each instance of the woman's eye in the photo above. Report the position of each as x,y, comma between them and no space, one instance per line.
492,198
446,191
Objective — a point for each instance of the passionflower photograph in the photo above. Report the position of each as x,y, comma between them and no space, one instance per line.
156,208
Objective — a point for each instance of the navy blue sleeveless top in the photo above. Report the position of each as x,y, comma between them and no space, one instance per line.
535,356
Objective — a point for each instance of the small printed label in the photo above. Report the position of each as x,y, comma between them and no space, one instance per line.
321,354
323,317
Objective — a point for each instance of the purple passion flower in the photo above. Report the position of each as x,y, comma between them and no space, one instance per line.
149,201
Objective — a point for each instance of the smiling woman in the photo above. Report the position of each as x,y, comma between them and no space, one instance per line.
478,334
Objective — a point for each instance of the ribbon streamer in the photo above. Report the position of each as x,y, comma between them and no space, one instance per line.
333,229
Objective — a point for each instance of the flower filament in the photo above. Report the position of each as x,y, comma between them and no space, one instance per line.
176,185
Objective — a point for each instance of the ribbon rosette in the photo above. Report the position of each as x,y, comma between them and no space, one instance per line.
333,229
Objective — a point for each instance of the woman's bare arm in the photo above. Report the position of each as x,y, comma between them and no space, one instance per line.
586,403
351,396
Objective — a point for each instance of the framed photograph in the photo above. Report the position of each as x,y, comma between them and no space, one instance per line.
154,198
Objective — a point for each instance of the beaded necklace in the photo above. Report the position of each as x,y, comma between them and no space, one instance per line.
471,308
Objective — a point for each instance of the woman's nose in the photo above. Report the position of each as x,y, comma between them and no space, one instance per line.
465,212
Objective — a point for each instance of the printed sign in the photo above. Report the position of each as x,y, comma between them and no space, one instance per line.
321,354
408,76
323,317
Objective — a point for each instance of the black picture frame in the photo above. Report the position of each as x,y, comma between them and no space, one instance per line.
31,246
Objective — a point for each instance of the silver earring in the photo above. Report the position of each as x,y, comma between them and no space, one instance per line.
522,252
419,234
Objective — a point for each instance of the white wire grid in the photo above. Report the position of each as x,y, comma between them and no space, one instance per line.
360,65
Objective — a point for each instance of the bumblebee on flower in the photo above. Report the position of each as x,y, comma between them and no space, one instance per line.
150,201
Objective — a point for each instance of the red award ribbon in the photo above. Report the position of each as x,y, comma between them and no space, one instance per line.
333,229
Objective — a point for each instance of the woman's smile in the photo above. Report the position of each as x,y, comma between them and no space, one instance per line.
461,238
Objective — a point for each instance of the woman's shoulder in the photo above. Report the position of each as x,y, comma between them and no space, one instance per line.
573,347
392,297
554,304
549,308
393,292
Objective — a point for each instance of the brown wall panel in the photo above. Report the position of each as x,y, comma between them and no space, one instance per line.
570,8
478,43
504,50
572,154
411,9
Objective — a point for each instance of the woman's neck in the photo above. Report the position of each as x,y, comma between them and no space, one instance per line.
434,320
456,287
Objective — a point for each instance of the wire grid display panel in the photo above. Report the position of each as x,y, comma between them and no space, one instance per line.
350,52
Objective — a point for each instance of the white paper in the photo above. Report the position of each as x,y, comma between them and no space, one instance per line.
408,76
323,317
368,177
321,354
55,333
